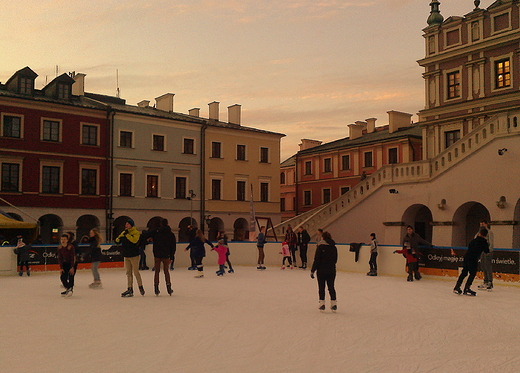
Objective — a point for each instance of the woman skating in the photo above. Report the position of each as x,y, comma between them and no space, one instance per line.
324,265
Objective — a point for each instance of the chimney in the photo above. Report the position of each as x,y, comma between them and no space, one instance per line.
144,103
307,144
397,120
356,130
195,112
371,124
214,110
78,87
234,114
164,102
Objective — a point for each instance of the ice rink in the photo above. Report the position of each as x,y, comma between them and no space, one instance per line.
256,321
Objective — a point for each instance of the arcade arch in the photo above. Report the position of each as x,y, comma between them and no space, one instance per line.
466,222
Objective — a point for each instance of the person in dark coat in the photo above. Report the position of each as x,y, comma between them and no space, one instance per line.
164,247
22,250
303,243
476,247
198,251
292,241
191,232
324,265
95,256
410,250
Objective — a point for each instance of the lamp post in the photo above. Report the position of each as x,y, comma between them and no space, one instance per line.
190,197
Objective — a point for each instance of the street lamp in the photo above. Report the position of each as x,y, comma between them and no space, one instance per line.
190,197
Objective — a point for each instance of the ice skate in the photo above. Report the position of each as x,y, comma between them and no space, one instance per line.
200,274
29,272
283,267
457,290
68,292
231,271
333,305
20,273
141,290
322,306
169,289
220,273
469,292
128,293
156,290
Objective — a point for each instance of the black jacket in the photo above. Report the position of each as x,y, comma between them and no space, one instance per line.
475,249
326,257
164,242
303,237
94,250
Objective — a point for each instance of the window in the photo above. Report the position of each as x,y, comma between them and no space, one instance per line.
326,195
125,185
189,146
158,143
475,31
264,192
152,186
180,187
453,84
345,162
502,73
216,150
344,190
368,159
241,190
282,178
10,177
501,22
63,91
51,179
89,134
327,165
215,189
51,130
308,167
282,204
307,198
431,44
453,37
241,152
264,155
392,156
451,137
12,126
26,85
88,182
125,139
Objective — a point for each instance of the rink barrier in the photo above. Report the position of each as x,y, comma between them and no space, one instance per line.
436,261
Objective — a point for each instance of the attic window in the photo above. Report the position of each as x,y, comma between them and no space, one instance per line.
501,22
453,37
63,91
26,85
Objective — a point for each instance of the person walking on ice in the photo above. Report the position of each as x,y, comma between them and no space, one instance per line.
476,247
286,255
66,259
198,251
22,251
324,265
129,240
95,256
373,255
260,242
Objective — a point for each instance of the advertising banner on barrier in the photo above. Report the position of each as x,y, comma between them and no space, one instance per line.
48,255
504,261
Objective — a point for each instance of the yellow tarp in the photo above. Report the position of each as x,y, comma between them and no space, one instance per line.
7,223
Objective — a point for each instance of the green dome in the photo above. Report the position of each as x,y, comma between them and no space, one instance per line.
435,17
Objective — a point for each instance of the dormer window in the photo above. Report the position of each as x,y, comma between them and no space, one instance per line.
26,85
63,91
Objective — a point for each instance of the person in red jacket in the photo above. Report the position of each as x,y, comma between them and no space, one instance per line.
411,252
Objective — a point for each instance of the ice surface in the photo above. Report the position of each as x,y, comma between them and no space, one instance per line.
256,321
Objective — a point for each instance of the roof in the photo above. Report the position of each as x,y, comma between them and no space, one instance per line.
368,138
8,223
291,161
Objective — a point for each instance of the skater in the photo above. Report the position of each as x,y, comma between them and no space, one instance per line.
198,251
292,241
164,247
411,252
143,242
373,255
260,242
95,256
22,251
77,249
222,250
286,255
223,235
486,259
129,240
476,247
66,259
303,243
191,232
324,265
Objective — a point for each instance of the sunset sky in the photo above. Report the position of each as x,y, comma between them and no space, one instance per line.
300,67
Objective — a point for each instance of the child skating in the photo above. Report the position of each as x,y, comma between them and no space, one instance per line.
286,254
221,248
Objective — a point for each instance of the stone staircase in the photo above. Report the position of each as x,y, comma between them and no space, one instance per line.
497,126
